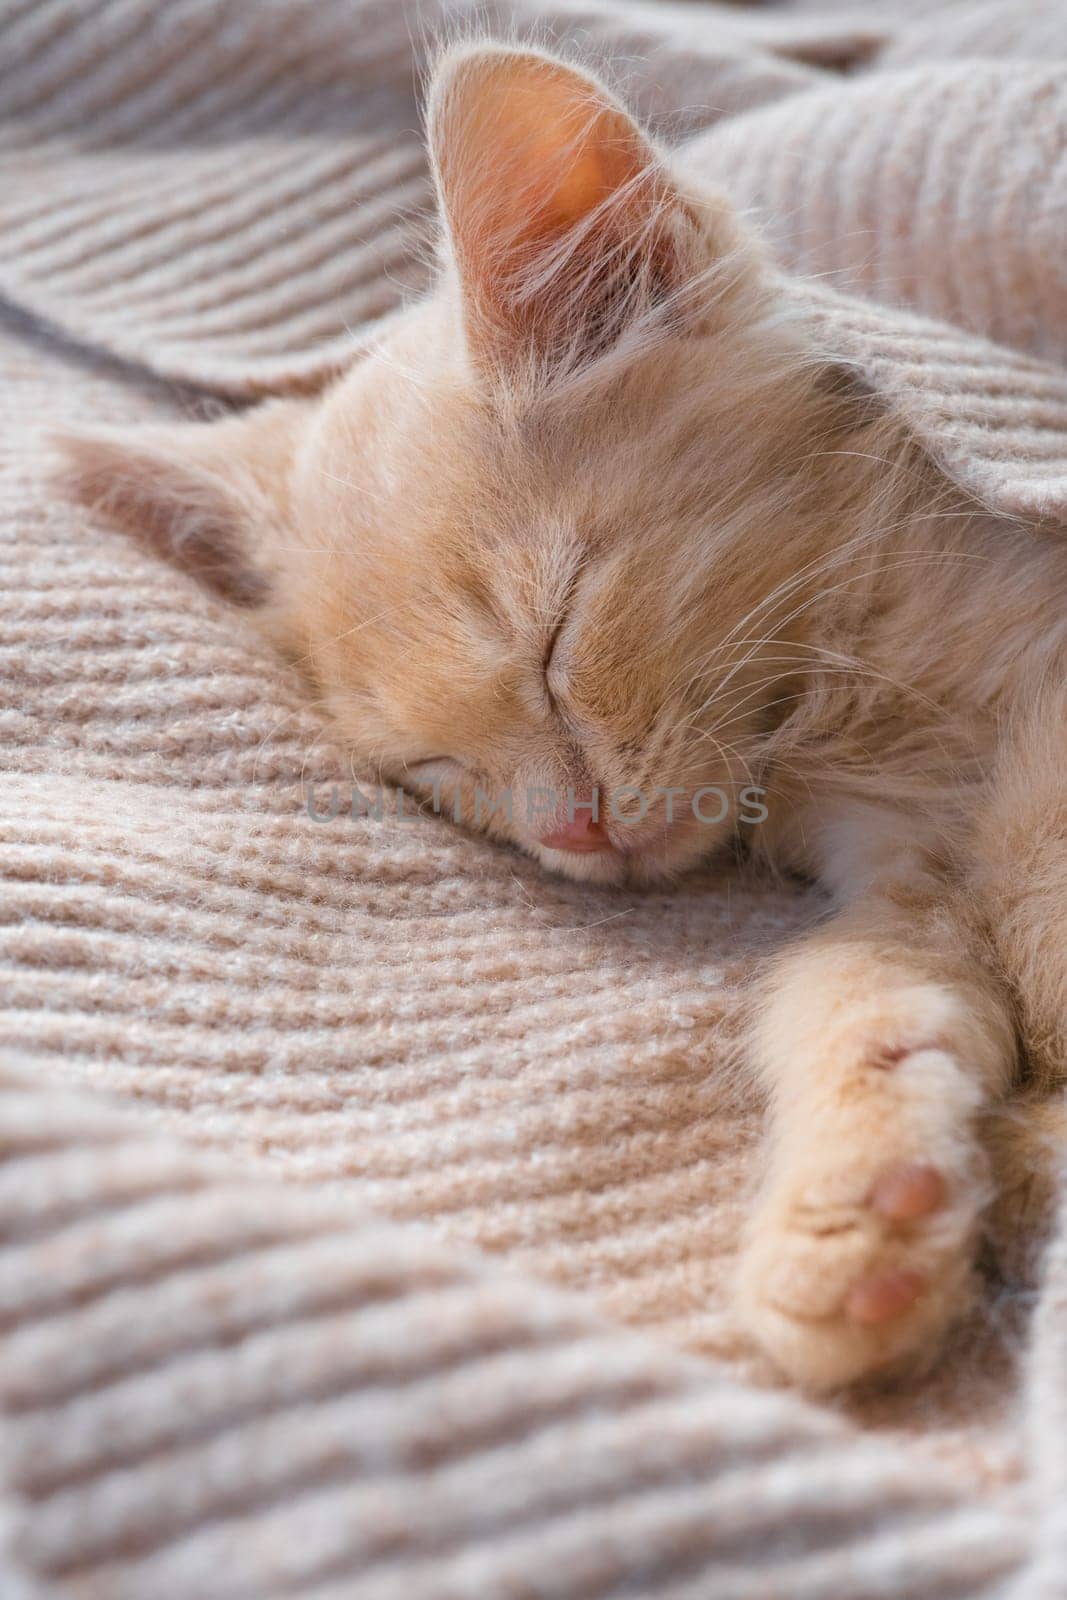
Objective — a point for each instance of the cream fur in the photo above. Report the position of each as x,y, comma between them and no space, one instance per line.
600,511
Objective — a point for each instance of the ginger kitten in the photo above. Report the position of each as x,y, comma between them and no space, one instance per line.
598,519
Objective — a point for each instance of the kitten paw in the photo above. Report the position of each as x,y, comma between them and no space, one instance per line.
852,1272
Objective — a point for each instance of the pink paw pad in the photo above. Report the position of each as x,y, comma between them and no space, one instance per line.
883,1296
888,1056
907,1193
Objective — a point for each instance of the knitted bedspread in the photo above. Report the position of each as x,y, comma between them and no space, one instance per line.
368,1200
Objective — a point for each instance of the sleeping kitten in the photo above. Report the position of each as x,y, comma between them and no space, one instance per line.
599,519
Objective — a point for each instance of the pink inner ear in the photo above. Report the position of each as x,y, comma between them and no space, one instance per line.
566,157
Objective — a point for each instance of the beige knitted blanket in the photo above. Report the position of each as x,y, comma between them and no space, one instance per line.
367,1201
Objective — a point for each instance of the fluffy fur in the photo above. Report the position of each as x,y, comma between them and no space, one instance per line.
599,514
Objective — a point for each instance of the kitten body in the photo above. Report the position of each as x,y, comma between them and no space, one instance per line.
600,518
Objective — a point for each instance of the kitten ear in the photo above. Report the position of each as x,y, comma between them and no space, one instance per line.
210,497
563,222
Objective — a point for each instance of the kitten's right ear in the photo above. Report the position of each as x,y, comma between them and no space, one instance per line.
210,497
564,225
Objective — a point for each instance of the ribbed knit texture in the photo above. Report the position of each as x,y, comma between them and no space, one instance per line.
368,1201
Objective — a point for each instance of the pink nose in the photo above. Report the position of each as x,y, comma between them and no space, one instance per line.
579,833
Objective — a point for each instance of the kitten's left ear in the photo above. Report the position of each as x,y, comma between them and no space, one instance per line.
564,223
210,497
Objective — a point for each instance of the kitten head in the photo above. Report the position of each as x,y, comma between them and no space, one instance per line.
548,538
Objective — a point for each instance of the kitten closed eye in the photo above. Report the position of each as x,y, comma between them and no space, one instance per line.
431,769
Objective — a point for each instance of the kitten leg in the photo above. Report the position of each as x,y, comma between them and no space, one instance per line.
1017,876
880,1039
1026,1136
